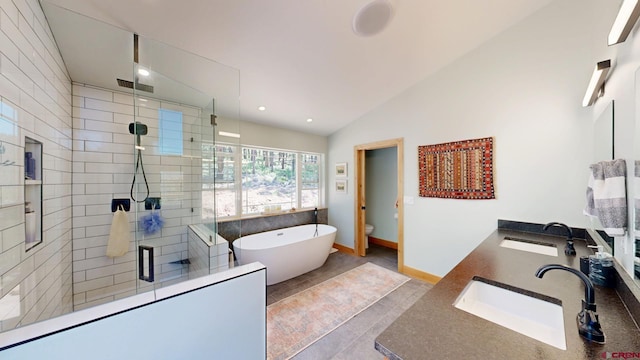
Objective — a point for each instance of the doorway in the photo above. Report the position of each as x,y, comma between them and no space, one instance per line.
360,196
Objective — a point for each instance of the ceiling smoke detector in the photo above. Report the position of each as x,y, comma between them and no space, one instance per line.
372,18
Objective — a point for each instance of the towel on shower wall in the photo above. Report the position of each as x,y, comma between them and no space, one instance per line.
120,236
607,195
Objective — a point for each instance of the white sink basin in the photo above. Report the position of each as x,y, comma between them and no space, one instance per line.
522,312
530,246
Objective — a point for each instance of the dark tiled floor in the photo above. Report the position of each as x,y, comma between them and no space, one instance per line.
355,339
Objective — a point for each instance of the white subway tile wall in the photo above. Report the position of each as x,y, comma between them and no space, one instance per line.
103,166
207,258
35,95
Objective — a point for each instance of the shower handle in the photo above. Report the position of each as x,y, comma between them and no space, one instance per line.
145,257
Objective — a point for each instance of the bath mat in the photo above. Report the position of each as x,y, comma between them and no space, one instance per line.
298,321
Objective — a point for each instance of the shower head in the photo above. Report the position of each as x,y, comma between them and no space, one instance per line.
137,128
138,86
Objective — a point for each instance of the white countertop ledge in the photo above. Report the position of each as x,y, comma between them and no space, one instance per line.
77,318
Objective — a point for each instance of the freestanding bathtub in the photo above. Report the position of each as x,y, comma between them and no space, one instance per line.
287,252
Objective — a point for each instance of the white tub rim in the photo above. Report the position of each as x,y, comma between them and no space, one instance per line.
265,244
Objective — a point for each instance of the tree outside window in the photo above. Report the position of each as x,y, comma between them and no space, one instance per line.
268,178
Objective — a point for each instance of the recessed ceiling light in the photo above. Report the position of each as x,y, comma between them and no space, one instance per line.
143,72
262,108
309,120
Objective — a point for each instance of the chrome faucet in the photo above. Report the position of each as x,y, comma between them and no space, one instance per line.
587,319
568,249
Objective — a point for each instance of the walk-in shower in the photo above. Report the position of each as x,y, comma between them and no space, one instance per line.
103,143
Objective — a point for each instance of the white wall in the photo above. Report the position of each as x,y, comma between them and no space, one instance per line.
271,137
524,87
35,91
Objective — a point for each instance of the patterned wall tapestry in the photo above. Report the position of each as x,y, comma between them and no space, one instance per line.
457,170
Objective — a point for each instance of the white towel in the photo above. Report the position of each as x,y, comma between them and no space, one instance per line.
120,236
607,196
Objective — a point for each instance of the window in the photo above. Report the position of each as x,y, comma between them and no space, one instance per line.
268,179
224,180
170,132
248,179
310,180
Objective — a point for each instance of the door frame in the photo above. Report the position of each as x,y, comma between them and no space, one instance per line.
360,186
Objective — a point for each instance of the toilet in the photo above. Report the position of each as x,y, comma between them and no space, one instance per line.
368,229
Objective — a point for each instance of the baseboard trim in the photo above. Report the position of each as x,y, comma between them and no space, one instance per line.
385,243
344,249
418,274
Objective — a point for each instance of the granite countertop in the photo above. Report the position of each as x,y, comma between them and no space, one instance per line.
434,329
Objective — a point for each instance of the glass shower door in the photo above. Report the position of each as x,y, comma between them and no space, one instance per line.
181,109
170,186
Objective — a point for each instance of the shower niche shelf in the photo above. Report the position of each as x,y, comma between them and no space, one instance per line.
32,192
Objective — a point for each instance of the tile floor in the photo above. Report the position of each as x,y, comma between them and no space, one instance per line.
355,339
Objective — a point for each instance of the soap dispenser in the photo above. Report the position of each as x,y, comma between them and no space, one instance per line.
601,271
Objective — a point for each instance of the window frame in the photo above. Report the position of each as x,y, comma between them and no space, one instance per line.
238,188
299,167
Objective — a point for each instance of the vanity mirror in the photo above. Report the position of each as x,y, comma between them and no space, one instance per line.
629,246
603,151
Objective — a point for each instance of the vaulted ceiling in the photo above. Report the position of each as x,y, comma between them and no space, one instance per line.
301,59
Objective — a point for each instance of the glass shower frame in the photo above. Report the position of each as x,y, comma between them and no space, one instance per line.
185,194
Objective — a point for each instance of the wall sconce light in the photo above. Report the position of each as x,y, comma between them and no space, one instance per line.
626,19
596,85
